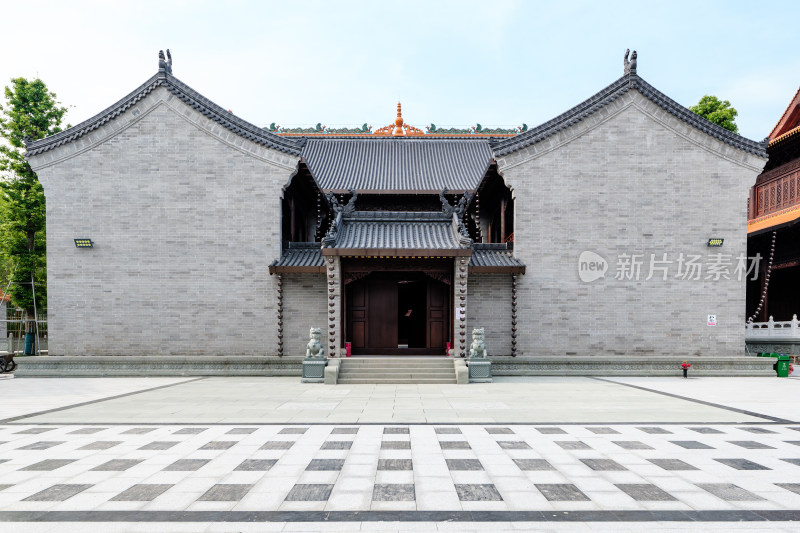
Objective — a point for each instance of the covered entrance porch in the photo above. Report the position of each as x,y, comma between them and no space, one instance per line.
401,283
398,307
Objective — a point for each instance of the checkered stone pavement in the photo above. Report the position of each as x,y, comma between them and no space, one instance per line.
478,467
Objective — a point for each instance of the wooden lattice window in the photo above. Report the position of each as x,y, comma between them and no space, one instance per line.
797,188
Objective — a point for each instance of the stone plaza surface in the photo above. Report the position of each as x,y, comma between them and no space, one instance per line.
271,454
285,400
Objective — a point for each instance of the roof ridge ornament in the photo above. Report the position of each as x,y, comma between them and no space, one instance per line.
457,213
630,66
350,207
447,208
165,64
339,212
399,128
398,122
461,206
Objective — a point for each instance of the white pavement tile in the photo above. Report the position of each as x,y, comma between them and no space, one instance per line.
433,481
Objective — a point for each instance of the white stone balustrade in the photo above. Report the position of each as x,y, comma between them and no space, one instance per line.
773,331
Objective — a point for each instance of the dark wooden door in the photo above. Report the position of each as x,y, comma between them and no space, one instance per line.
357,312
438,316
382,320
373,314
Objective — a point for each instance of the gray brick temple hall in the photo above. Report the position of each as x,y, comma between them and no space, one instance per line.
586,238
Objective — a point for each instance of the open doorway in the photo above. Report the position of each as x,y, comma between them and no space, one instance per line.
397,313
411,313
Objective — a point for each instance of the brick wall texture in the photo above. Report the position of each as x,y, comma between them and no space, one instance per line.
304,297
185,217
629,179
490,308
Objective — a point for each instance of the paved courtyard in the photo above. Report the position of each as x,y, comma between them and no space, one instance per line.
271,454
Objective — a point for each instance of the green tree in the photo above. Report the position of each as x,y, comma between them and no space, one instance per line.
717,111
30,112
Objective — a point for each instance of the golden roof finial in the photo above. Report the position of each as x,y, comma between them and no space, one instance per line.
398,122
399,128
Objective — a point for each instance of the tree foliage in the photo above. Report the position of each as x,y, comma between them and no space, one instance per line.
30,112
717,111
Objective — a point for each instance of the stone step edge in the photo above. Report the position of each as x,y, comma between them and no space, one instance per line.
396,362
343,370
380,367
394,370
433,367
397,376
395,381
388,367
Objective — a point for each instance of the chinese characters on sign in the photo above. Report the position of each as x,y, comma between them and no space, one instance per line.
715,267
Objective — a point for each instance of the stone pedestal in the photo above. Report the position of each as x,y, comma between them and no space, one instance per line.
462,372
332,372
480,371
314,370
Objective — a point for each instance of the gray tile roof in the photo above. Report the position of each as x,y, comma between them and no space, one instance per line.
391,233
609,94
189,96
392,164
299,257
494,258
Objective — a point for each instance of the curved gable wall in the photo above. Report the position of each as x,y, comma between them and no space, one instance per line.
185,216
629,180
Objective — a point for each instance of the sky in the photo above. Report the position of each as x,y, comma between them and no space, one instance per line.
451,63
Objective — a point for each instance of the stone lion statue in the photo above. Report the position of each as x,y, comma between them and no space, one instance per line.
314,349
477,349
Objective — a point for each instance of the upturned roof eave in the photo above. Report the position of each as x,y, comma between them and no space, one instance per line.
608,95
781,124
190,97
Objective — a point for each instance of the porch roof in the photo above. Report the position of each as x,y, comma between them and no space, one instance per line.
398,234
494,259
416,233
300,257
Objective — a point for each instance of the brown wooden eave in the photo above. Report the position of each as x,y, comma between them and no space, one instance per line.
296,269
497,269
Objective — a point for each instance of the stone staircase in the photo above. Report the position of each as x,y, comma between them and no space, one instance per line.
401,369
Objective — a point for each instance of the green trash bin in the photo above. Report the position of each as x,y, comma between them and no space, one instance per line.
782,366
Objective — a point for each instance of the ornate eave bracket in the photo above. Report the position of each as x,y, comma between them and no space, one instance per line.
457,212
339,212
